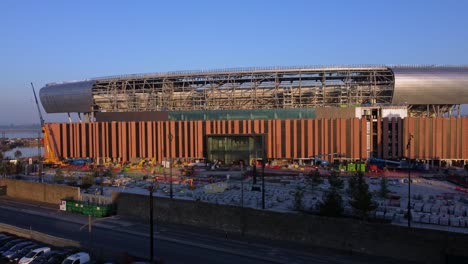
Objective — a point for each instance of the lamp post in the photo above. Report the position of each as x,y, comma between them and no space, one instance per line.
263,183
408,148
90,238
170,166
242,184
89,225
242,198
263,172
151,189
254,168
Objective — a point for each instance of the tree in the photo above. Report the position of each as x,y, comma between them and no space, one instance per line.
109,173
314,179
332,204
18,166
383,192
298,195
11,168
18,154
88,180
361,198
317,178
3,168
352,184
58,177
335,181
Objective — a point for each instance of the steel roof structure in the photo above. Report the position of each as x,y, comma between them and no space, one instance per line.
425,89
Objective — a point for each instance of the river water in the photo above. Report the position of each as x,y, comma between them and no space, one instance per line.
26,151
21,134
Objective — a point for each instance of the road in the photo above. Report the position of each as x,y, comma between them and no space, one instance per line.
111,237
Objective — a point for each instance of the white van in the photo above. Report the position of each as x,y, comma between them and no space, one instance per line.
78,258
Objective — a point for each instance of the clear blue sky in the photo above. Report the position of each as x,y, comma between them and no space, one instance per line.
49,41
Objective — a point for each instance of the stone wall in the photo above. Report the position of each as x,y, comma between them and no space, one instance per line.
41,192
349,235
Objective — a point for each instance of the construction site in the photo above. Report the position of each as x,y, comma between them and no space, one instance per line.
276,114
252,137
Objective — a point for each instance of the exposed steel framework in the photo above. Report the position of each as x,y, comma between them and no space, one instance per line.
245,89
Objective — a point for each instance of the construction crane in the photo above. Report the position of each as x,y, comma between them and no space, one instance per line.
52,157
37,104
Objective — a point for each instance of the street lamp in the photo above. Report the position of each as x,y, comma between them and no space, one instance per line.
242,183
242,198
151,190
262,155
263,172
408,148
89,225
254,168
263,183
170,166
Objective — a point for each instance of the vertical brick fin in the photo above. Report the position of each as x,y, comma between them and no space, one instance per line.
363,142
379,137
436,138
385,135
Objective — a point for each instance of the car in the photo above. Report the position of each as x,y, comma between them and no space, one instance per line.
18,255
7,239
16,248
55,256
3,235
77,258
33,255
70,250
45,257
11,243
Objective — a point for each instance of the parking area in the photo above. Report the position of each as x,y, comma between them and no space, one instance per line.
15,249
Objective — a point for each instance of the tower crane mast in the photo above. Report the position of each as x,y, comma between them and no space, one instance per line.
38,108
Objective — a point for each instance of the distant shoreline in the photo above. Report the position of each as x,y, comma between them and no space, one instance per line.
18,129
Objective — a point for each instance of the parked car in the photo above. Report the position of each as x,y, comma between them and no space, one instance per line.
33,255
10,244
73,250
18,255
45,257
16,248
6,239
77,258
55,256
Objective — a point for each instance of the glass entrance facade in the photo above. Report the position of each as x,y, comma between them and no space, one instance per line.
235,148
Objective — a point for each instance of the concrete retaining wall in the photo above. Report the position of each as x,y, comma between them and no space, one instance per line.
429,246
31,234
41,192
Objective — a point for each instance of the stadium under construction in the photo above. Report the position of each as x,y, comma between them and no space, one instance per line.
292,113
